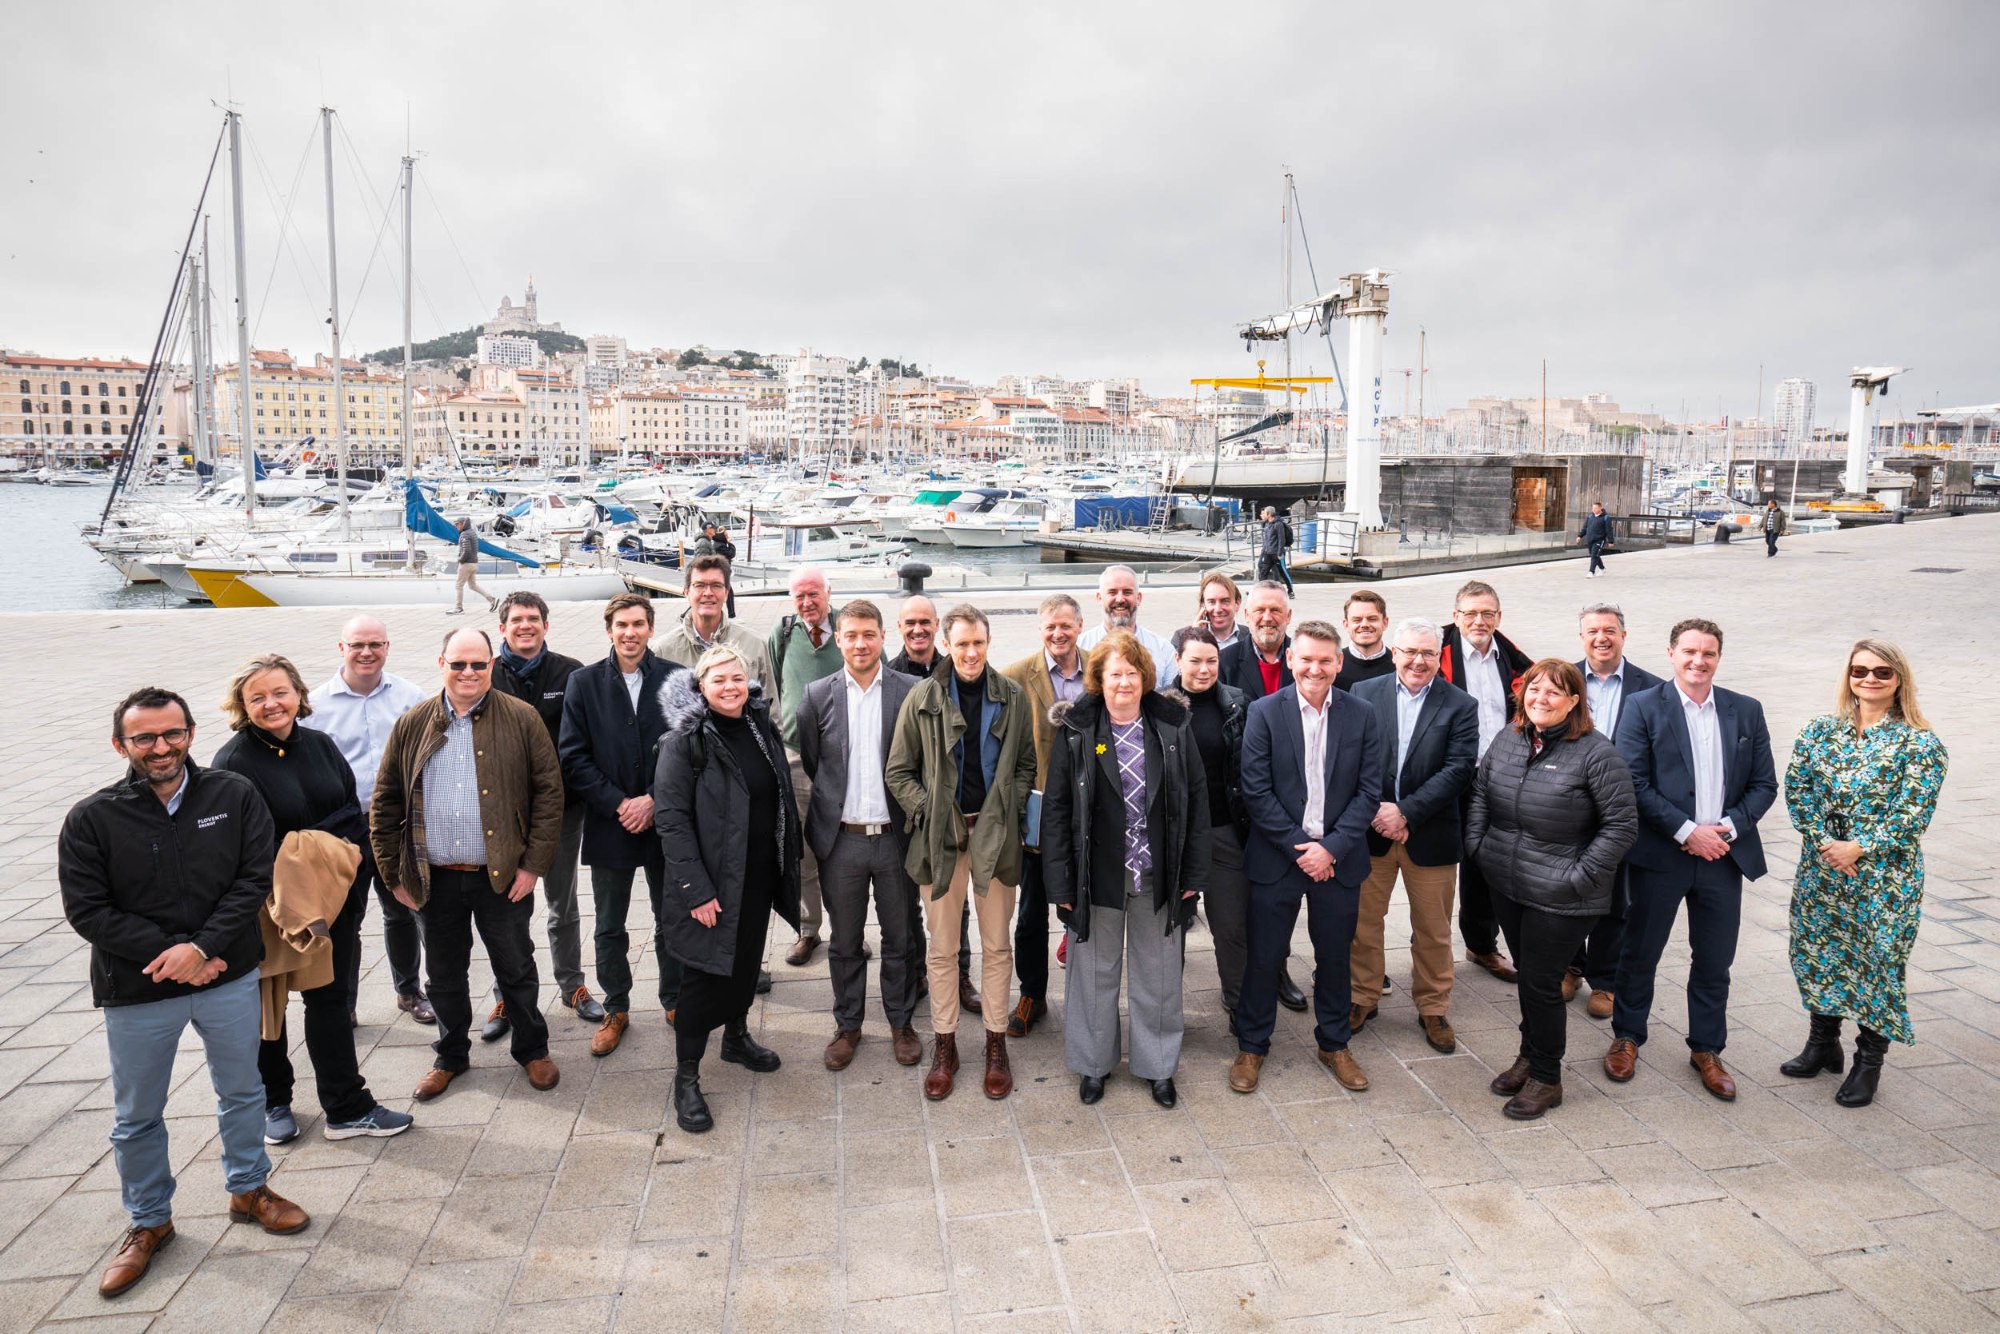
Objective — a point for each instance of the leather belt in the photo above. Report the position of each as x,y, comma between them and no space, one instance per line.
865,830
971,818
457,866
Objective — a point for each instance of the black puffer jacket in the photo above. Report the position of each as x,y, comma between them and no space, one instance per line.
701,810
1549,830
1083,812
1235,713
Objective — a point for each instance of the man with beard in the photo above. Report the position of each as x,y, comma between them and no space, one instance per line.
1118,596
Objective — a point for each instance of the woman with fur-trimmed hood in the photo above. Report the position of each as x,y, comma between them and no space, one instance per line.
729,832
1125,849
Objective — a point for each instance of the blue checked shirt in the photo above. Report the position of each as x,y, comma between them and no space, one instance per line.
453,835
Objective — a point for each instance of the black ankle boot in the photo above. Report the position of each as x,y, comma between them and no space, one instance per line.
690,1108
738,1046
1859,1090
1822,1050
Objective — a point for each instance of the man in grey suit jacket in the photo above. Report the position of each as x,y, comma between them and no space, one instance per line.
854,826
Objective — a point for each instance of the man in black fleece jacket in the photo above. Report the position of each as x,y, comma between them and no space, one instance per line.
164,872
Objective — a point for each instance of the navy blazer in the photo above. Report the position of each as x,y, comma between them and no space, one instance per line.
1274,788
1444,754
609,753
1238,666
1653,737
823,751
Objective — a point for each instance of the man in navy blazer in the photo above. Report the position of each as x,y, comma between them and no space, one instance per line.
611,728
855,828
1609,680
1430,747
1701,766
1312,780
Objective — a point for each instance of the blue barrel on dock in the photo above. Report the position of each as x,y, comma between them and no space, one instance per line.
1309,535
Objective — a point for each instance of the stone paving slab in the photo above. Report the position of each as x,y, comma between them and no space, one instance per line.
845,1201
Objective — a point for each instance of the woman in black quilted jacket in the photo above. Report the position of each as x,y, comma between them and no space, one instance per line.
1552,815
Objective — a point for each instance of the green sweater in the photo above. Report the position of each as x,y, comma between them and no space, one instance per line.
796,665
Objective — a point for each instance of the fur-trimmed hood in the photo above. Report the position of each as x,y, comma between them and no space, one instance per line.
684,707
1168,708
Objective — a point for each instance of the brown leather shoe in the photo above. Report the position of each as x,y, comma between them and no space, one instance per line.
268,1210
802,952
134,1257
1245,1070
909,1048
1509,1081
1599,1005
609,1033
1345,1069
968,999
1713,1077
944,1065
1534,1099
433,1083
543,1075
840,1051
999,1075
1622,1061
1357,1019
1571,982
1496,964
1437,1032
1026,1011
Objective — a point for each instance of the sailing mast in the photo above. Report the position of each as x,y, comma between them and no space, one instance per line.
248,448
333,290
409,400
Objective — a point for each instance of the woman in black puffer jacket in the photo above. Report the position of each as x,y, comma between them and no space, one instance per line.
1553,813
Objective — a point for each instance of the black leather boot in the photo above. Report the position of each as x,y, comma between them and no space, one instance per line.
1859,1090
690,1108
738,1046
1822,1050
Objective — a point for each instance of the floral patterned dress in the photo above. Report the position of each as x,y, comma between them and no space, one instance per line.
1852,935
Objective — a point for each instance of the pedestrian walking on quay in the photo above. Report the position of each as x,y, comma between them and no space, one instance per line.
1862,787
468,570
1774,523
1595,534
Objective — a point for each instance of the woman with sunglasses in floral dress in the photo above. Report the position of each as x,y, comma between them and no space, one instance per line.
1862,787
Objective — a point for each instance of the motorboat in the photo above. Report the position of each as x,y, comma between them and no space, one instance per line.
1007,524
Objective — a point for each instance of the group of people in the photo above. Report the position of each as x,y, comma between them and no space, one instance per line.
1245,767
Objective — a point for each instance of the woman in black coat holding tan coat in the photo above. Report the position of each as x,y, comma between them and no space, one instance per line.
729,832
1553,813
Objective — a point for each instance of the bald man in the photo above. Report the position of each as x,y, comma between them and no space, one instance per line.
357,707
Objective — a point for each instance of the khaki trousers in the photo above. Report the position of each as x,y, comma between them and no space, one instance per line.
1429,890
942,915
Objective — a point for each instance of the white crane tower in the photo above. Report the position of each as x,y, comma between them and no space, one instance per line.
1864,384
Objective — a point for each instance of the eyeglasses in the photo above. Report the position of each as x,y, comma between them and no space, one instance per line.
369,646
1856,672
1420,654
463,666
173,736
1477,615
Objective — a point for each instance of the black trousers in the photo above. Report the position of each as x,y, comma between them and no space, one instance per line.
1771,542
402,938
857,864
1331,912
1227,904
1596,557
1596,960
1713,892
1031,931
1273,567
459,903
611,900
1476,922
714,1000
343,1094
1542,944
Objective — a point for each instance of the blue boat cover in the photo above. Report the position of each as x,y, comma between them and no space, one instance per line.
420,516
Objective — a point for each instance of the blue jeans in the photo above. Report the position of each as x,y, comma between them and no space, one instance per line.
142,1040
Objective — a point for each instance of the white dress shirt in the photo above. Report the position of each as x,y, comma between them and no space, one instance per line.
1165,667
359,724
867,799
1704,727
1487,684
1314,721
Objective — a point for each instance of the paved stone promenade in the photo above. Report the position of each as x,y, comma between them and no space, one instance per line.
824,1201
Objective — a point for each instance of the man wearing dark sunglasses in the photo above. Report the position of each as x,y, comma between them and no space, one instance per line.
467,816
164,873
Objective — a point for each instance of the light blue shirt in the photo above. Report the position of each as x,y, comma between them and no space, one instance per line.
1067,689
174,802
1605,695
1408,707
359,724
453,835
1165,667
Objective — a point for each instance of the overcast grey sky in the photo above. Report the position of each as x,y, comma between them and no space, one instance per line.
1656,198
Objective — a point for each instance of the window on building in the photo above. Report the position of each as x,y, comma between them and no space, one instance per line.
121,391
27,406
65,389
65,402
104,388
86,428
68,429
25,389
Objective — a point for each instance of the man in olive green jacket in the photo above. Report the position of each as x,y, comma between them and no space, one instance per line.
961,767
